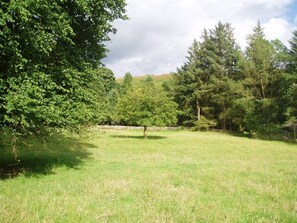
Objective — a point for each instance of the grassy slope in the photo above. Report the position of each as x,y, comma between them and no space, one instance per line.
171,177
158,79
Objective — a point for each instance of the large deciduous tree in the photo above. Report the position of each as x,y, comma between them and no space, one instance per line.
46,51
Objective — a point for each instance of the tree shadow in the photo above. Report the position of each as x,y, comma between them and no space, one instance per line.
283,138
40,158
153,137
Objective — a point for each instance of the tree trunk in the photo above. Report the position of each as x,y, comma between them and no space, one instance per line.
263,89
224,119
224,125
198,110
144,131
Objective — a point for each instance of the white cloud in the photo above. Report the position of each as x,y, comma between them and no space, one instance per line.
156,37
278,28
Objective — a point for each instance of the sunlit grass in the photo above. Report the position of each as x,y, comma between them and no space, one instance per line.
174,176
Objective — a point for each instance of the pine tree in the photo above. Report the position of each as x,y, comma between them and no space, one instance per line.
293,53
263,65
209,62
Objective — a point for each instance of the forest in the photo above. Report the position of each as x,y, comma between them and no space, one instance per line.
52,76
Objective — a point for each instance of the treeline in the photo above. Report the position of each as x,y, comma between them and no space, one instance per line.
52,76
221,86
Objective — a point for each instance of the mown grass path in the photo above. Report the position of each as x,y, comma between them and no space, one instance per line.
174,176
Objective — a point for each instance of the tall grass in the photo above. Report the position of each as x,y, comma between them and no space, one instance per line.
174,176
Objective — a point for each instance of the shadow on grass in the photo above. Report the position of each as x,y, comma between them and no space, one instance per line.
37,159
138,137
288,139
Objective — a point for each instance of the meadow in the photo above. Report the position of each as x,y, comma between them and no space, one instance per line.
173,176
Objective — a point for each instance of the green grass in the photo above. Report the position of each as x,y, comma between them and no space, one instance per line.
174,176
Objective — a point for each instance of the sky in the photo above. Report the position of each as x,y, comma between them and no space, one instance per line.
158,33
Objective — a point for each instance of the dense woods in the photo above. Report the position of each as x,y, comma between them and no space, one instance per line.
222,86
52,76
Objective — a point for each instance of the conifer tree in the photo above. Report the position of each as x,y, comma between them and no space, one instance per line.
210,61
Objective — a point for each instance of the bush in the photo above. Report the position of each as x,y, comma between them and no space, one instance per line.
204,124
273,132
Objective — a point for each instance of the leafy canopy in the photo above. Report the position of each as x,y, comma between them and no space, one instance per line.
146,106
47,49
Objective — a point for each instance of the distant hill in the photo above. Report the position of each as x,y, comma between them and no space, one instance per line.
158,79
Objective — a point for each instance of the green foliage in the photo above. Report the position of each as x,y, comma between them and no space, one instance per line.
264,67
104,92
148,82
293,53
258,67
127,82
37,102
281,55
47,49
203,83
146,106
251,91
204,124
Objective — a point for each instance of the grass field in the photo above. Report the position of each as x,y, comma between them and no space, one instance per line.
174,176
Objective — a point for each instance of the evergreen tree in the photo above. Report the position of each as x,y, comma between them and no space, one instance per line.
259,67
224,53
291,87
293,53
260,75
211,61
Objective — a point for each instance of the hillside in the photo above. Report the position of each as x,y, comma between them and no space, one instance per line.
158,79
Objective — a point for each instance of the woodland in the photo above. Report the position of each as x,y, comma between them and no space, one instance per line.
53,78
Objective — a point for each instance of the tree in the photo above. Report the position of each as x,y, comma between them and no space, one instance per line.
107,93
290,86
127,82
212,64
146,106
293,53
47,49
259,67
223,66
262,66
190,83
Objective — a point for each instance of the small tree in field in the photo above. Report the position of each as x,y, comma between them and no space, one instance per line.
146,106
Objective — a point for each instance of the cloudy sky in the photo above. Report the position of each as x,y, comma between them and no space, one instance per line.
158,33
